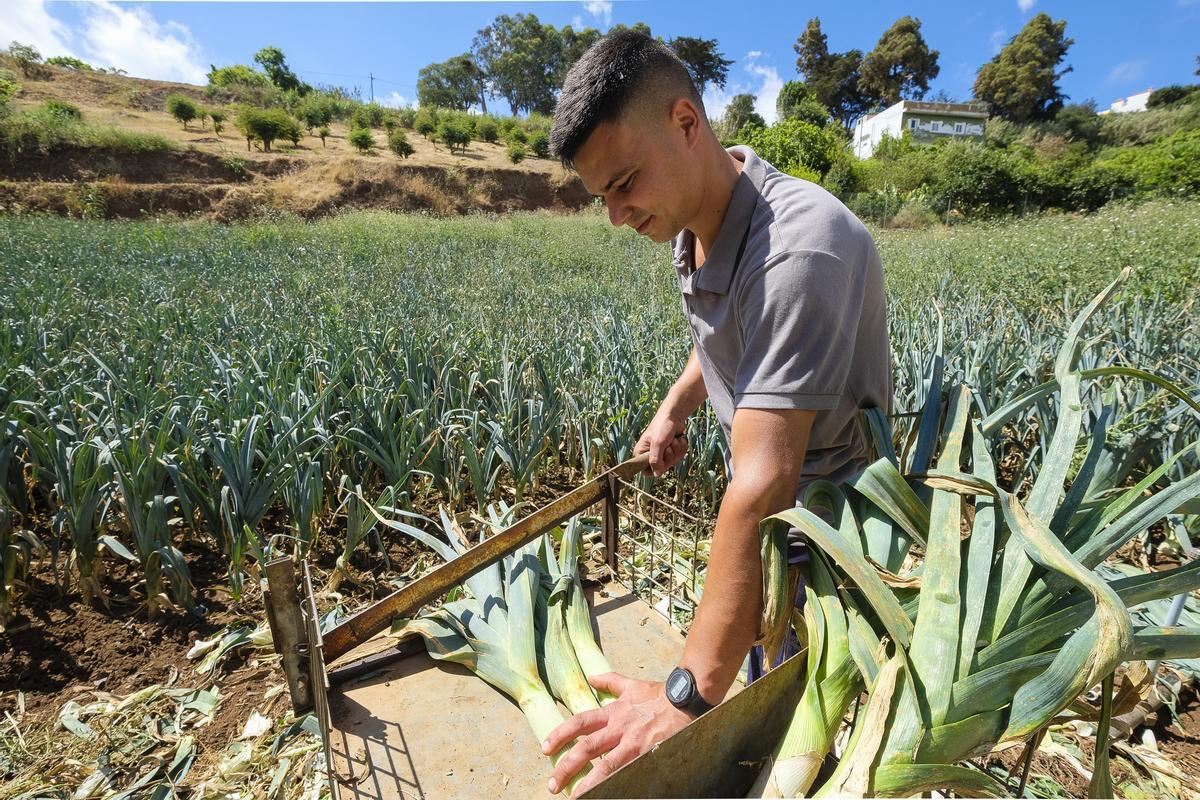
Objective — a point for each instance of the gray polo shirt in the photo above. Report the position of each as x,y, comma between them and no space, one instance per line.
787,311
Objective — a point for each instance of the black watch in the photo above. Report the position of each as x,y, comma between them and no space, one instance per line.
683,694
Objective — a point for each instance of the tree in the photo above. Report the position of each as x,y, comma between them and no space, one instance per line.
398,143
316,110
265,125
738,114
182,109
575,44
457,83
454,135
702,60
832,77
516,152
217,115
522,59
362,139
424,123
900,66
796,147
1021,82
323,134
539,143
26,56
272,61
1078,122
640,27
796,101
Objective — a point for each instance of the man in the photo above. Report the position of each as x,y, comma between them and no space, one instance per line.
783,291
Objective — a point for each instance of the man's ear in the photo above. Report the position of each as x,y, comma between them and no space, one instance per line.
686,118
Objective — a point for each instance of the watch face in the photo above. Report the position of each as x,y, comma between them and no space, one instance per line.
678,687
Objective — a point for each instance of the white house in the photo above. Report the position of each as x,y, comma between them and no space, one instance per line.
1135,102
924,122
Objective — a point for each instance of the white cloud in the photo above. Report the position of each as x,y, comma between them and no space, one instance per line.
108,36
394,100
600,9
29,22
1127,71
1025,5
132,39
999,39
760,80
576,22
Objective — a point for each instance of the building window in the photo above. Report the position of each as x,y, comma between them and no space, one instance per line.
935,127
912,124
958,127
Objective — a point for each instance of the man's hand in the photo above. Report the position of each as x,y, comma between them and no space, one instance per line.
615,734
664,440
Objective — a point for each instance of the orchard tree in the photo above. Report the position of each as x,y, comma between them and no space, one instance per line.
900,66
796,101
362,139
182,109
702,59
456,83
833,78
1021,82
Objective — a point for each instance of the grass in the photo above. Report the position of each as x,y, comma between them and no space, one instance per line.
40,131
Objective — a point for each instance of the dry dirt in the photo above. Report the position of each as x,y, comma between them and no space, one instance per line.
215,175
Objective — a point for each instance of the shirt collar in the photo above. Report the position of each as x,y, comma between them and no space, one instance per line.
717,273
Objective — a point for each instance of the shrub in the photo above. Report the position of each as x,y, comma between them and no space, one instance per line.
978,179
368,115
266,125
1167,167
539,143
38,130
1176,95
453,134
915,215
424,123
63,109
323,133
237,75
407,117
315,110
1144,127
390,122
398,143
362,139
69,62
218,117
516,134
182,109
27,57
516,151
795,147
8,90
487,130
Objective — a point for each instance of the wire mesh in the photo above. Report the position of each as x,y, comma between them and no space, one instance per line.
662,552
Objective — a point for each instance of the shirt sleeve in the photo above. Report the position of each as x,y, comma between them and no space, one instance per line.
799,317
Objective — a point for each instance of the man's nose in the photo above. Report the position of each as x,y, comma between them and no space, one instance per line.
617,214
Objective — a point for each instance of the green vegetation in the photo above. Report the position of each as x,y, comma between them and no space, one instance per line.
45,130
182,108
279,406
62,110
266,126
539,143
362,139
453,134
69,62
323,134
398,143
27,57
515,151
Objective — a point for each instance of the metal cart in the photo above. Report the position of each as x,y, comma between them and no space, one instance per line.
396,724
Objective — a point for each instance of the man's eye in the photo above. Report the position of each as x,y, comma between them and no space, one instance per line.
624,187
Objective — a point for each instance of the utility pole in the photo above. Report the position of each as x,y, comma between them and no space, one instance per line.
371,75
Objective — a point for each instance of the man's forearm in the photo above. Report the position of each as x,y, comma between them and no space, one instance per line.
688,392
726,622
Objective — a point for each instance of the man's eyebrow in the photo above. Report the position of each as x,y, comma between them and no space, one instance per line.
617,176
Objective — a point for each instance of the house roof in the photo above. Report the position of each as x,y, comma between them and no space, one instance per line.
964,110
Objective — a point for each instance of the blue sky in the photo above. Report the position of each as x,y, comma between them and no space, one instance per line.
1120,48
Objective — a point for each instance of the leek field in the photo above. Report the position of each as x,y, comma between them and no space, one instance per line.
171,389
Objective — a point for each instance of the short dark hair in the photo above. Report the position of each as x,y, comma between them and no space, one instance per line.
601,86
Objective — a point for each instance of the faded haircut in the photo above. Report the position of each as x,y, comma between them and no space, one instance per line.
623,71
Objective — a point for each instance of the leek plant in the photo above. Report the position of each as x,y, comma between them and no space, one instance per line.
17,548
1003,624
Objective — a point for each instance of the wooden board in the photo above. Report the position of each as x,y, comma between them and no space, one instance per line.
418,728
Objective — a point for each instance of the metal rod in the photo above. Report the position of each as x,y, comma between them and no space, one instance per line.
356,629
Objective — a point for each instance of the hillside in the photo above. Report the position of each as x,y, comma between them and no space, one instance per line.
215,175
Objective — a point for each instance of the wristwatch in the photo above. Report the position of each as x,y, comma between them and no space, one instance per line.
683,694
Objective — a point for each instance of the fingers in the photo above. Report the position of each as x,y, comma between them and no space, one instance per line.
612,682
591,746
578,725
606,765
